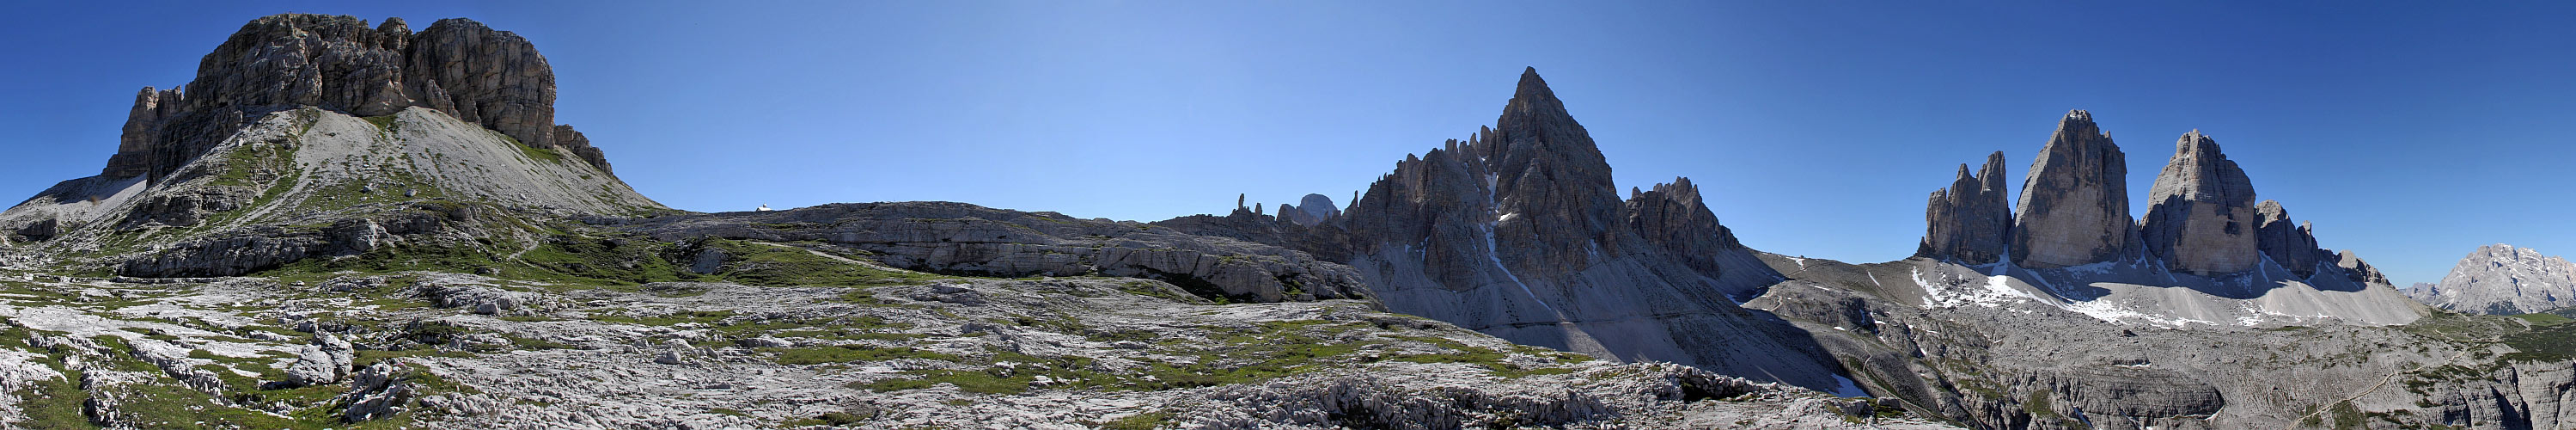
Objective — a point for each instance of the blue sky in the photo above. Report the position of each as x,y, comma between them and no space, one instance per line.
2410,135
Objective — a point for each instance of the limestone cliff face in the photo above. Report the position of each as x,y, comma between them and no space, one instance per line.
2202,219
1969,222
298,121
1517,231
2294,247
1672,218
494,79
2074,207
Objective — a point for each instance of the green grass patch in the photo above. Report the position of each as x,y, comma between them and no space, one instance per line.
385,123
1142,421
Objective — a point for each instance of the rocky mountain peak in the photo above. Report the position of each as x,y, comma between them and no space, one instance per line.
2504,279
2074,206
1550,184
1968,221
1518,231
2202,217
494,79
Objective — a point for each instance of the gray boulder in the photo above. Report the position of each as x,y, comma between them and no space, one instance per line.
327,360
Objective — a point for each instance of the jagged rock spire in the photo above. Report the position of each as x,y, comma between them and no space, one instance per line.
1551,177
2074,207
2294,247
1969,221
2201,216
1672,217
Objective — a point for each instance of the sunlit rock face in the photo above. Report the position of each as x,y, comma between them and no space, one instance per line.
490,78
1969,222
2202,219
2074,207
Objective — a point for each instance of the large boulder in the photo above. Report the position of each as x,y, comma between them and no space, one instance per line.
2201,218
2074,207
1969,221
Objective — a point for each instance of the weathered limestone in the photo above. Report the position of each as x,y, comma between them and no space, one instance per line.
1672,218
2202,219
2294,247
490,78
1518,231
966,239
2074,207
1969,222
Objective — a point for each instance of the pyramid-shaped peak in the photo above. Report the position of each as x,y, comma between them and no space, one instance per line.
2079,115
1534,98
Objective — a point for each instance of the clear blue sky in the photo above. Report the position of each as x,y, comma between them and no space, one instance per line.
1815,128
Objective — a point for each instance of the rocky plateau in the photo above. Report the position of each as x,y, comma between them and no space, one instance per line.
343,225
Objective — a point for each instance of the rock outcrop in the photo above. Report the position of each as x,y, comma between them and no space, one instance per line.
2074,207
959,238
1969,222
2294,247
2504,279
490,78
2201,218
1672,218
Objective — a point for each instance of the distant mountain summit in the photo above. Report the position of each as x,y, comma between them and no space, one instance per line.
2070,242
312,135
2504,280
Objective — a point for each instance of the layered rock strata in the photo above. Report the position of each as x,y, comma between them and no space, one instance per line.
2201,218
2074,207
960,238
459,67
1969,221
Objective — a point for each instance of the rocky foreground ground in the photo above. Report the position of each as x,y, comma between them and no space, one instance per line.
902,350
